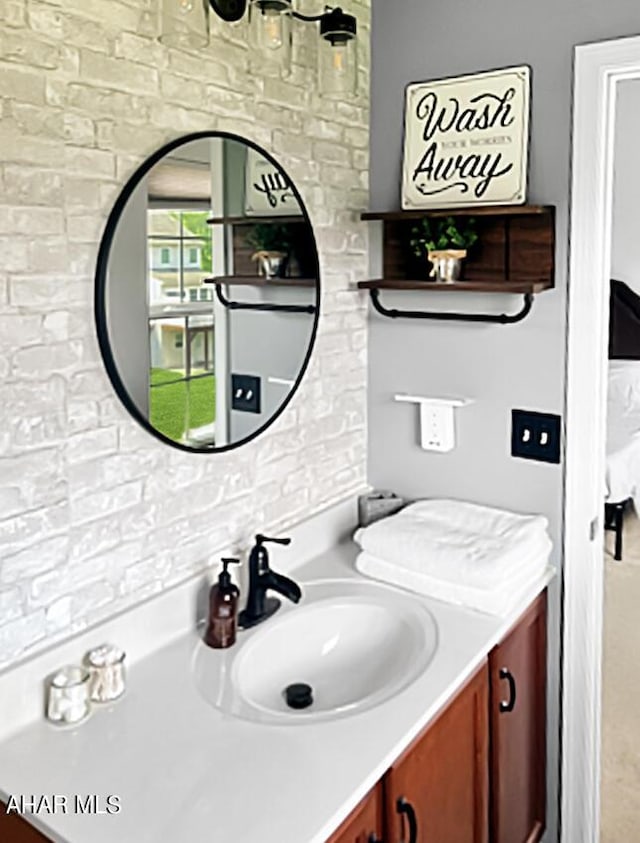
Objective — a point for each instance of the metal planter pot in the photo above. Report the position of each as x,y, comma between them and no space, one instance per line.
446,265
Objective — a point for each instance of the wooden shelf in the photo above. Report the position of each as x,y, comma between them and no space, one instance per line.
519,287
256,220
514,253
260,281
467,211
516,246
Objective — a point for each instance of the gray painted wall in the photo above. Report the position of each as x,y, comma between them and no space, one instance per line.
264,344
500,367
625,257
268,345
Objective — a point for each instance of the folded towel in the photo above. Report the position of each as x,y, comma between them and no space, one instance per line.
495,601
460,543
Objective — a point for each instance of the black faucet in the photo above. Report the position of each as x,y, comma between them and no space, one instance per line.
261,578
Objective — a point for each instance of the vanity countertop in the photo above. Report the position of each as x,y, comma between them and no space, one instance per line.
182,770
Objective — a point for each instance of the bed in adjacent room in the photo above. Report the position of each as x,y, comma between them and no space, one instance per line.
622,480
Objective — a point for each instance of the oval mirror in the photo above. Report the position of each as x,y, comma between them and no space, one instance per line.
207,292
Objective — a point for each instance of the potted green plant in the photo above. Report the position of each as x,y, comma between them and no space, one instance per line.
273,243
444,242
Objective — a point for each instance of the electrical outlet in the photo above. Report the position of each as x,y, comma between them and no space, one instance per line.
245,393
437,427
535,436
437,420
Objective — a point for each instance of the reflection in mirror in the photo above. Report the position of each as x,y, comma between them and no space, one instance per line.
207,292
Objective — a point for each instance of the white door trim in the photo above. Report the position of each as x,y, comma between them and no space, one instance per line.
598,69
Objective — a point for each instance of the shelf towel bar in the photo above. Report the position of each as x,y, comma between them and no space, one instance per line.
273,308
497,318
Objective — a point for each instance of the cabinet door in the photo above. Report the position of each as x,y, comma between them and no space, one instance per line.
518,730
438,792
365,823
14,829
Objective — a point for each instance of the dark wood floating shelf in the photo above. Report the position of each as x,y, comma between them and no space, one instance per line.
260,281
515,253
467,211
518,287
256,220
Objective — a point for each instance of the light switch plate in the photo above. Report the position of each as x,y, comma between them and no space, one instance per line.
535,436
246,393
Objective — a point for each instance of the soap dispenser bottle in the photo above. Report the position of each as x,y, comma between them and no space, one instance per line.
223,610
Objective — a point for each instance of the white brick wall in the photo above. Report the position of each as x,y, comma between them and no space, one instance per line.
95,514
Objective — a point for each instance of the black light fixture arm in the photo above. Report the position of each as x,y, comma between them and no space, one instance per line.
229,10
310,18
336,25
234,10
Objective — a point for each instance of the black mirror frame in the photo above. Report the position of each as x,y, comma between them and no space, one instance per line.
101,280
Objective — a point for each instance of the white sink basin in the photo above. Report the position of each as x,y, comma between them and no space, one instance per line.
353,642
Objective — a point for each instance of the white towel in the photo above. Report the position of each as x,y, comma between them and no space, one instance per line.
460,543
493,601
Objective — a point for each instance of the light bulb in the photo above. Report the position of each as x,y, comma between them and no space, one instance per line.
339,58
272,29
270,35
186,6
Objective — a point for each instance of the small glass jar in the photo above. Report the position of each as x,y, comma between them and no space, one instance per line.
68,696
108,674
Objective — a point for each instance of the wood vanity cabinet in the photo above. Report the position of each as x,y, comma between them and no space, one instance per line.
518,669
13,829
477,774
364,825
438,791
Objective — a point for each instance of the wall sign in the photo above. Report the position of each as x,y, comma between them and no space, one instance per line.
466,140
267,189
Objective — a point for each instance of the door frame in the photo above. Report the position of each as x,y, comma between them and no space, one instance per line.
598,70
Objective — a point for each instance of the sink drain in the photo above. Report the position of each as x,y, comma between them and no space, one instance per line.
299,695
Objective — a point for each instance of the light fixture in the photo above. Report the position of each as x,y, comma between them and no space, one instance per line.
338,54
184,23
270,32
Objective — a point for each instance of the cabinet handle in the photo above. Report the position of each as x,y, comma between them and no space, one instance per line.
405,808
506,707
373,838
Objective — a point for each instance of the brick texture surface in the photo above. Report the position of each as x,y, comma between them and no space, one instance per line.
95,514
